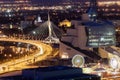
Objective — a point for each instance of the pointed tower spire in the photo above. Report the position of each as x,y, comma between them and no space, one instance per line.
48,16
39,19
92,10
52,38
49,25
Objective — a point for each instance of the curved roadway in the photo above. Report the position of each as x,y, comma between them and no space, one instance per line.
21,63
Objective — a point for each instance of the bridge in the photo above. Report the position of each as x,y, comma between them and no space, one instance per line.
18,64
44,50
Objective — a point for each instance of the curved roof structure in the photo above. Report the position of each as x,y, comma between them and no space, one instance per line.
98,24
100,33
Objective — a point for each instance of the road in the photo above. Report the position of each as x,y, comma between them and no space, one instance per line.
22,63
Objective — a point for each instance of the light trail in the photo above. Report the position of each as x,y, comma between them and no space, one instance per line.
21,63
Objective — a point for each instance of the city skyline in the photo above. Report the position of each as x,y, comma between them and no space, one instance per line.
45,33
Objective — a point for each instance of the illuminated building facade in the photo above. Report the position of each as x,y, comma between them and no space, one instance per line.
86,36
65,23
100,34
